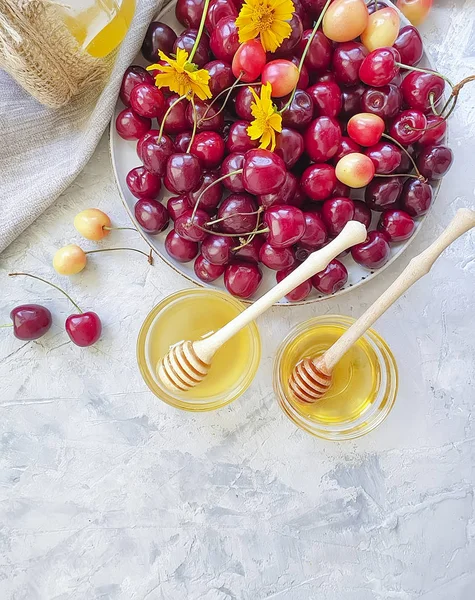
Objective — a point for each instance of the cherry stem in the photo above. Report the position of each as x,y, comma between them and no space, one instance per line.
149,255
9,325
200,31
193,214
388,137
229,91
305,52
455,93
169,110
193,133
419,70
432,104
238,214
118,228
375,4
420,177
266,230
252,235
48,283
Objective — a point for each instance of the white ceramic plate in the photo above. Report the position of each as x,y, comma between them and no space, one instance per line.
124,158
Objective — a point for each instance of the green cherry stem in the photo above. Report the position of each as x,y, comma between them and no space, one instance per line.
388,137
118,228
238,214
200,31
419,177
233,235
195,124
4,326
169,110
48,283
419,70
237,172
305,52
149,255
229,91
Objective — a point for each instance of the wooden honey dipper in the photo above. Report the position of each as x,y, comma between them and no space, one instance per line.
187,363
312,377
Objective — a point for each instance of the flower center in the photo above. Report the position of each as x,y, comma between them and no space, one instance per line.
264,18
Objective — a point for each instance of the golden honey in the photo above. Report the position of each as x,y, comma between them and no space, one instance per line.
192,315
364,382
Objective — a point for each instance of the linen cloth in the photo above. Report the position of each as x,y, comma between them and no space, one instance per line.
43,150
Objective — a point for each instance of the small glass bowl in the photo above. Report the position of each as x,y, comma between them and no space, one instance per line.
187,315
364,387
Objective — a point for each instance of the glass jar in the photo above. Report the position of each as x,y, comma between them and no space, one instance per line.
364,382
190,315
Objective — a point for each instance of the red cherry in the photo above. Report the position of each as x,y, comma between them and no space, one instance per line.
336,212
183,172
208,147
276,258
224,42
250,251
327,100
238,138
154,152
385,101
322,139
362,213
397,224
316,234
351,100
379,68
318,181
382,194
416,197
151,215
283,76
159,36
319,54
186,41
30,321
374,252
283,195
346,146
190,227
417,89
366,129
346,62
177,205
209,197
289,146
408,127
142,183
220,76
213,121
217,249
242,104
233,162
435,132
433,162
386,157
299,293
332,278
300,112
409,45
84,329
180,249
242,278
188,12
217,10
263,172
236,211
131,126
290,44
286,225
206,271
176,121
132,77
147,101
248,61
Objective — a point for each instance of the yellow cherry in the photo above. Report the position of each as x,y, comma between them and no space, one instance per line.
355,170
382,29
69,260
345,20
91,224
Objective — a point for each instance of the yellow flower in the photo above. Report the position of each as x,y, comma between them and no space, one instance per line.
266,119
267,19
182,76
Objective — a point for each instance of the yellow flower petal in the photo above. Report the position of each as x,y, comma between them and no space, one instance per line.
266,119
266,19
182,76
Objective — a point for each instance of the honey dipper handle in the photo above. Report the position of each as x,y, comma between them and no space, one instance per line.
419,266
353,233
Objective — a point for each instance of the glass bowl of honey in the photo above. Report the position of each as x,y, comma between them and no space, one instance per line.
193,314
364,384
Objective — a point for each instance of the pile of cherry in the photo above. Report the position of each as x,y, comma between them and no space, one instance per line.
280,206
